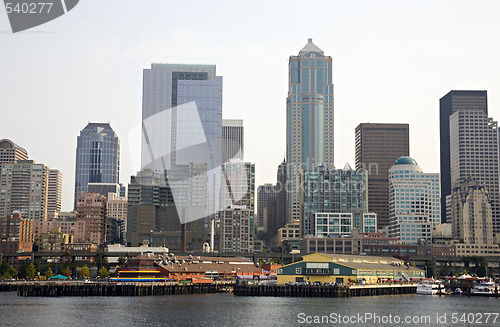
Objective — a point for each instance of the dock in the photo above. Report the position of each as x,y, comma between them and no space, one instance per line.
324,291
79,288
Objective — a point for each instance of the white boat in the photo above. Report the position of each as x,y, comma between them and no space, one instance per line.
484,288
430,287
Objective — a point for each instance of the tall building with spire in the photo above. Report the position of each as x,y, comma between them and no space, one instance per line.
309,128
97,157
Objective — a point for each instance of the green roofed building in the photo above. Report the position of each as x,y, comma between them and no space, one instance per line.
338,268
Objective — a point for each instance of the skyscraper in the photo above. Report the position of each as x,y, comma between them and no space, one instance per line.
97,157
181,116
469,146
452,102
54,197
23,186
232,139
378,146
413,202
309,139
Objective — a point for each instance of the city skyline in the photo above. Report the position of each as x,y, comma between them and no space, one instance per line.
380,71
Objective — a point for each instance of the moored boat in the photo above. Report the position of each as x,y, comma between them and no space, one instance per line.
430,287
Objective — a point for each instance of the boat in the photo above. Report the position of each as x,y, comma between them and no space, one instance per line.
485,288
457,291
430,287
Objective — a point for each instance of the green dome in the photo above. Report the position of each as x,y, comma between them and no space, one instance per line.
405,161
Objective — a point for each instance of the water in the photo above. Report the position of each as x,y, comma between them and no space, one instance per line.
228,310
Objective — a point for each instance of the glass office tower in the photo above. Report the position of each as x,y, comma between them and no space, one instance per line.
309,118
97,157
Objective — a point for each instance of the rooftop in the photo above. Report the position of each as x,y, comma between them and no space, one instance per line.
310,47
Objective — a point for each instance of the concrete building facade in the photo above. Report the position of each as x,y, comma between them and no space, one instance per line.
54,196
24,188
238,205
471,216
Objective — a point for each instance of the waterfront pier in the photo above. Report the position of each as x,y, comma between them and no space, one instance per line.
324,291
55,289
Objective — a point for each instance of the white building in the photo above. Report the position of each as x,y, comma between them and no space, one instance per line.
337,224
414,202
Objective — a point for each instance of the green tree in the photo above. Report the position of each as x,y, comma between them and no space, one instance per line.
85,272
49,273
66,272
122,261
30,271
7,271
103,272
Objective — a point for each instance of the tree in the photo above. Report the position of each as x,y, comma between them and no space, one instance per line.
103,272
122,261
66,272
49,273
7,271
85,272
30,271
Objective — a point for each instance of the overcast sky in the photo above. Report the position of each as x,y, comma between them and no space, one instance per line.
392,61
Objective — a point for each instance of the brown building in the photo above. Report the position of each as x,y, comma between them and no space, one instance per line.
54,241
81,251
378,146
16,234
91,218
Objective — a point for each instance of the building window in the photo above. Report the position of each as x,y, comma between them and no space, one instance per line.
279,271
298,271
336,271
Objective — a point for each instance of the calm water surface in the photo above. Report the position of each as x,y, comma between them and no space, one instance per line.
229,310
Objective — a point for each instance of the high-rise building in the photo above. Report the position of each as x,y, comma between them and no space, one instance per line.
91,218
181,116
378,146
414,202
97,157
237,204
11,152
182,139
54,197
263,193
24,186
474,154
232,139
471,214
453,102
309,116
328,190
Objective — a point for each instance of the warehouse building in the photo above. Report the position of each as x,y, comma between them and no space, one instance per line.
338,268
